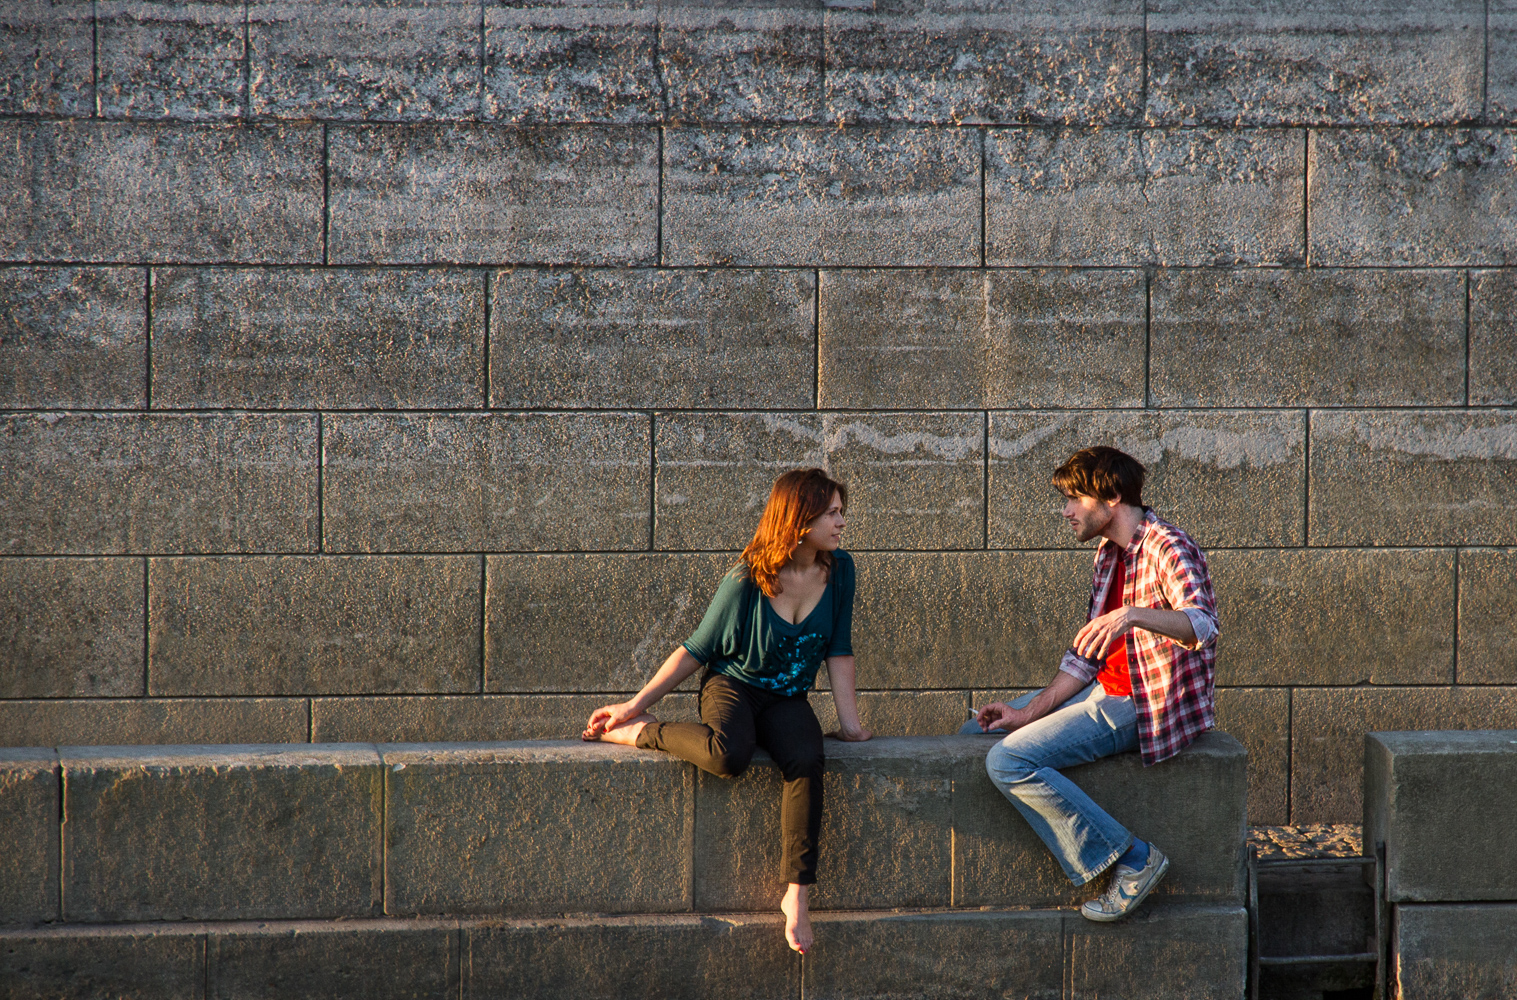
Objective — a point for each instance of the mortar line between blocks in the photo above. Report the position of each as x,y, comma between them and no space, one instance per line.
984,141
485,272
310,720
1306,198
1148,339
816,338
1290,752
62,825
1306,479
384,836
1485,65
321,461
1143,72
146,618
205,966
247,62
658,237
326,193
1458,616
147,338
479,90
1469,280
985,482
484,607
94,59
652,478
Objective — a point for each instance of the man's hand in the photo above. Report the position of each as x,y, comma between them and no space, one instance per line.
1099,635
999,715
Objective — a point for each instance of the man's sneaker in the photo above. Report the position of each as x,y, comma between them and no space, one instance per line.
1128,887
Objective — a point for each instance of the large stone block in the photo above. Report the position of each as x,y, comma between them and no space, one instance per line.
281,625
1225,478
684,957
1328,727
74,337
1487,617
546,827
1429,799
959,620
1501,61
952,61
109,722
1160,953
380,960
479,194
916,480
374,60
47,57
645,338
101,962
453,718
97,483
450,482
1307,338
810,196
1493,329
895,713
571,61
182,60
947,955
1439,477
1448,952
887,831
1413,196
1359,62
117,191
201,832
71,628
1192,806
592,622
328,339
1340,616
29,809
1259,718
967,339
758,62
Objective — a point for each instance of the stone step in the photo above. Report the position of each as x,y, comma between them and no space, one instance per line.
321,831
1166,950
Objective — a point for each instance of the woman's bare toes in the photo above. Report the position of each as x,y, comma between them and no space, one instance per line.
626,734
797,919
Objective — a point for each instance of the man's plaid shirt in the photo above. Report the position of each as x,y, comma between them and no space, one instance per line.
1171,682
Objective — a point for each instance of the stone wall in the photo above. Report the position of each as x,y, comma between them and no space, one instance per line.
411,370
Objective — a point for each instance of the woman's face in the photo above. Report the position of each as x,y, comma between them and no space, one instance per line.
825,532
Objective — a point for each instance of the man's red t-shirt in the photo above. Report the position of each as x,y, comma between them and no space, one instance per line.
1114,677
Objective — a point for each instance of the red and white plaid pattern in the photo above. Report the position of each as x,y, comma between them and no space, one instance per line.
1171,682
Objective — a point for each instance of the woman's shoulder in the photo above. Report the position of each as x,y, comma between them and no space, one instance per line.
843,564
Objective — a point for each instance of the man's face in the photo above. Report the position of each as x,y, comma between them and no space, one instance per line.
1087,516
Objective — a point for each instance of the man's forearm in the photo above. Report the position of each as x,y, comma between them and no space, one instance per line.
1173,624
1063,687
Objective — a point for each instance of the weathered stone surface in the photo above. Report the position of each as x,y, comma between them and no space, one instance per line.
1328,727
1307,338
1493,329
986,619
450,482
944,955
1428,798
375,60
760,61
91,483
1303,63
955,61
591,622
1225,197
571,61
532,819
967,339
684,957
1065,196
72,337
1438,477
894,713
280,625
916,480
71,628
1191,806
1259,718
118,191
1487,617
1224,478
451,718
101,962
46,57
200,832
396,960
330,339
1413,196
1149,955
810,196
181,60
886,830
1344,616
1501,61
102,722
645,338
29,811
488,195
1455,951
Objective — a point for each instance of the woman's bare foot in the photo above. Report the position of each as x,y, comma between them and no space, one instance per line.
797,917
626,734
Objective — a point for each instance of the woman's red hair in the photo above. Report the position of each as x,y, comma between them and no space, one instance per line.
799,497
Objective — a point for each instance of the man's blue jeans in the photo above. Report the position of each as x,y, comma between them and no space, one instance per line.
1091,725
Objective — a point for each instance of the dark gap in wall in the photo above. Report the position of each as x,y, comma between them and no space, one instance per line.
1290,754
984,211
146,618
1306,478
1148,337
1485,67
62,826
1306,198
247,62
321,461
484,598
326,192
652,476
479,94
310,720
147,319
1454,667
205,965
658,239
488,292
816,338
384,840
94,59
1468,281
1143,71
985,487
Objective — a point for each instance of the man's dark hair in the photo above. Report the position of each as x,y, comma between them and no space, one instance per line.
1101,472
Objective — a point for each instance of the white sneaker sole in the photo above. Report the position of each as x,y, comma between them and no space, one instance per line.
1101,917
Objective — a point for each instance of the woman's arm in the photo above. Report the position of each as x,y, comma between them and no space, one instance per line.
840,672
677,667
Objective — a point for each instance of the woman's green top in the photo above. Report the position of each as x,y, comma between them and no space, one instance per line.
743,637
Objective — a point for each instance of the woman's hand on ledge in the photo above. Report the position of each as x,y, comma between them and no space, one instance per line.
857,734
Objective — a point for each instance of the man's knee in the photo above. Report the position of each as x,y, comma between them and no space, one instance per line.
1003,763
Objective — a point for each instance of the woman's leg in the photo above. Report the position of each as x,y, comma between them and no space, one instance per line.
722,742
788,729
